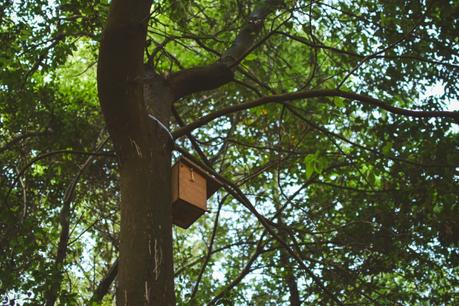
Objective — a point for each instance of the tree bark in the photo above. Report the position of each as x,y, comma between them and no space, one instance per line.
145,275
144,146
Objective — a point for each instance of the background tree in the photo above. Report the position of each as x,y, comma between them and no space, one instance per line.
330,125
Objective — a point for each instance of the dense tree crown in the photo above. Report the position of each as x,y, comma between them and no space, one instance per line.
332,126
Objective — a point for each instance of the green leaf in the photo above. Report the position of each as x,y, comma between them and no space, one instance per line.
250,57
339,102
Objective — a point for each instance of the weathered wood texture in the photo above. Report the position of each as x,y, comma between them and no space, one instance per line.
191,186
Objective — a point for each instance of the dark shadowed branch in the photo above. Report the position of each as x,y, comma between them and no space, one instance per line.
283,99
105,283
20,138
49,154
64,220
188,81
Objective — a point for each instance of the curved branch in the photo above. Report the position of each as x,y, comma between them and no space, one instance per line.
211,76
20,138
48,154
120,69
412,57
283,99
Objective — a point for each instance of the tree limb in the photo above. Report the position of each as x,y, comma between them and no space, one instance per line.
48,154
284,98
192,80
105,283
64,220
211,76
20,138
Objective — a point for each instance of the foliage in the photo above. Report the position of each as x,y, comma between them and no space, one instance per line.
368,197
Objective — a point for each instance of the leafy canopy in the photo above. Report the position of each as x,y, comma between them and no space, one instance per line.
367,197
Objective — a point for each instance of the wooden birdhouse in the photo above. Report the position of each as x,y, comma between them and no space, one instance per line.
191,187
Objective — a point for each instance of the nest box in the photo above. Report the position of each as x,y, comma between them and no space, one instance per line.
191,187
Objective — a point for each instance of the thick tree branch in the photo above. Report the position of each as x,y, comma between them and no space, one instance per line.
105,283
208,77
248,34
120,71
283,99
193,80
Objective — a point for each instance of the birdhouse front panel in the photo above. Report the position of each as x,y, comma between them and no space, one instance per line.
192,186
189,193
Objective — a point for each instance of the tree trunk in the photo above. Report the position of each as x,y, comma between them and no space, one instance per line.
143,146
145,275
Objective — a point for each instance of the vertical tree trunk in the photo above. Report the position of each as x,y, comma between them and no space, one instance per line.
145,273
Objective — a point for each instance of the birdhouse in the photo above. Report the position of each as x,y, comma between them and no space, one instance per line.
191,187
